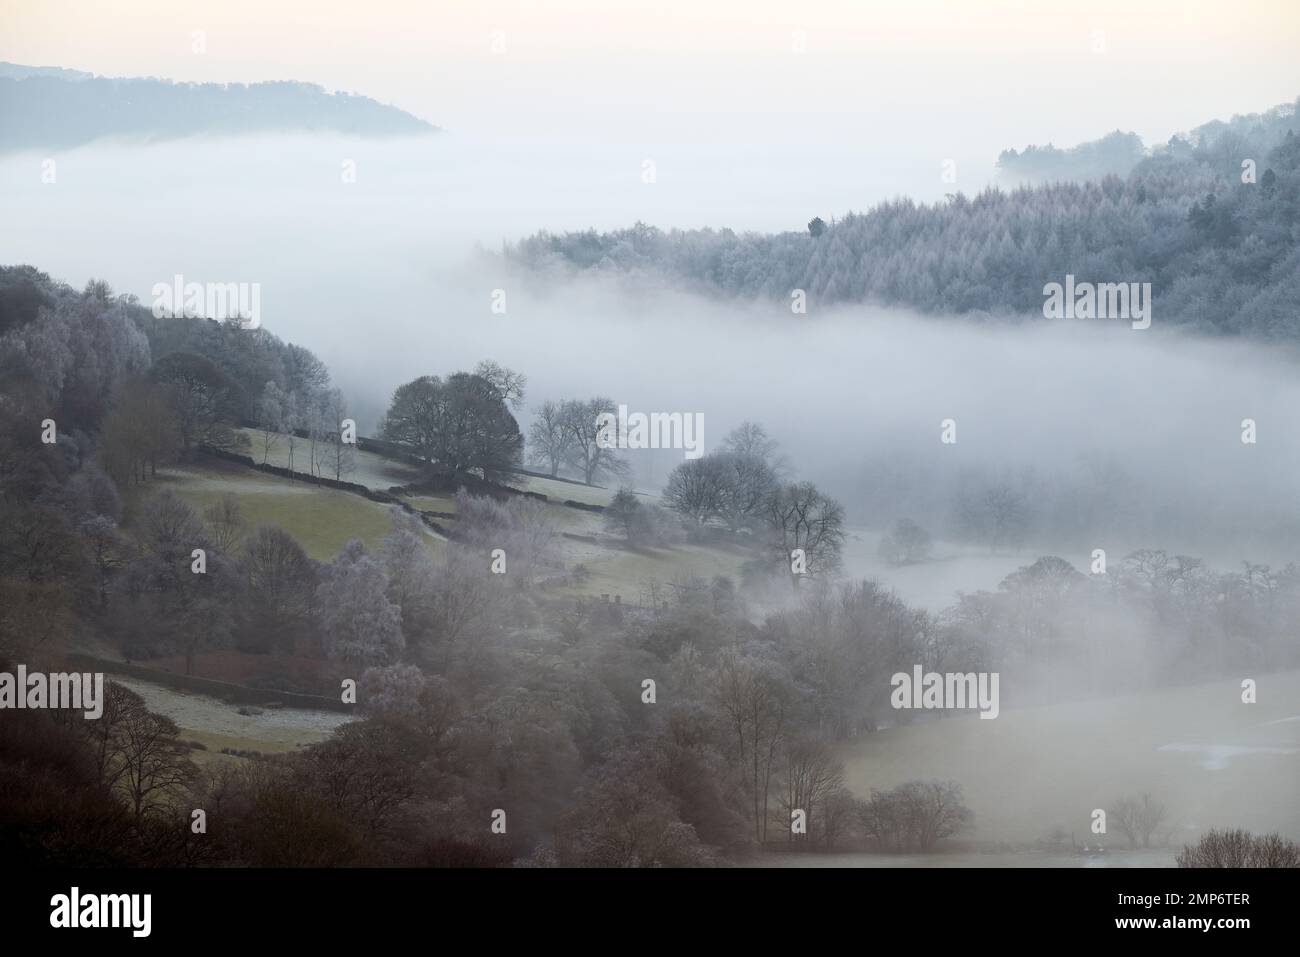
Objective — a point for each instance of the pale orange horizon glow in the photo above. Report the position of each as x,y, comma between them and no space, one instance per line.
640,65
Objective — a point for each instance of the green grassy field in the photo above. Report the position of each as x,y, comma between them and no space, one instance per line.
323,520
1211,759
433,503
560,492
368,469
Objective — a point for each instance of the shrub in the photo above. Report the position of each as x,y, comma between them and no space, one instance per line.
1240,848
915,816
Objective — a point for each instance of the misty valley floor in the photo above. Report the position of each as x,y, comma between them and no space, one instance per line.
1035,769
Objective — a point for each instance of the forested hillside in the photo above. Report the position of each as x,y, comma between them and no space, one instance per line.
1212,221
74,349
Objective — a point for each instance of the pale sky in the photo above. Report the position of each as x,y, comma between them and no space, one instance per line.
982,74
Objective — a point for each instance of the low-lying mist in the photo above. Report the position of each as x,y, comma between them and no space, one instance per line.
1124,438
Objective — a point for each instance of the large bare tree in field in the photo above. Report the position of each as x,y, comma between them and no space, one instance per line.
698,488
587,454
459,425
748,484
801,517
550,443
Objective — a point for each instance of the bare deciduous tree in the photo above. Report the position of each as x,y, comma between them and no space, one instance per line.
748,484
281,584
225,522
698,488
587,452
810,775
270,418
341,458
146,761
550,443
755,698
1137,818
916,815
508,383
751,439
801,517
139,432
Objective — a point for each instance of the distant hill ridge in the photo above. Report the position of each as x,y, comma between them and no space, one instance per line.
1118,153
54,108
17,71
